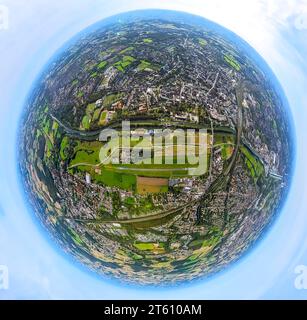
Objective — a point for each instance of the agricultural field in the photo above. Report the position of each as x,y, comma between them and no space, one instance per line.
163,212
95,158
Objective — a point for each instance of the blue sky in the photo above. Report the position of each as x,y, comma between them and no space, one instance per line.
277,29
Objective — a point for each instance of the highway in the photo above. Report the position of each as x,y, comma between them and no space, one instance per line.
219,182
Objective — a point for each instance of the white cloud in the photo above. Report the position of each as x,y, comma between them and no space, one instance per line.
45,274
300,21
288,12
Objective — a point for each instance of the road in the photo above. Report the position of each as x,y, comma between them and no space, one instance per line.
141,219
216,184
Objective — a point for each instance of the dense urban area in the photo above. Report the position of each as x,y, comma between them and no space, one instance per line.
155,222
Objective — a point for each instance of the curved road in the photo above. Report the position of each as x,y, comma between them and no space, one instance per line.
213,187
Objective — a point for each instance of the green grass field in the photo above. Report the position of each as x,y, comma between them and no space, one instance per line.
86,158
202,42
102,65
254,166
124,63
232,62
147,40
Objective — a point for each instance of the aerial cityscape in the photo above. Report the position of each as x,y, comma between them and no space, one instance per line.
167,216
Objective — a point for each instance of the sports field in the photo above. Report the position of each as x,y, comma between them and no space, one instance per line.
150,166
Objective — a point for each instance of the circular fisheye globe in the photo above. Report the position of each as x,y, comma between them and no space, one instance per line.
156,147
